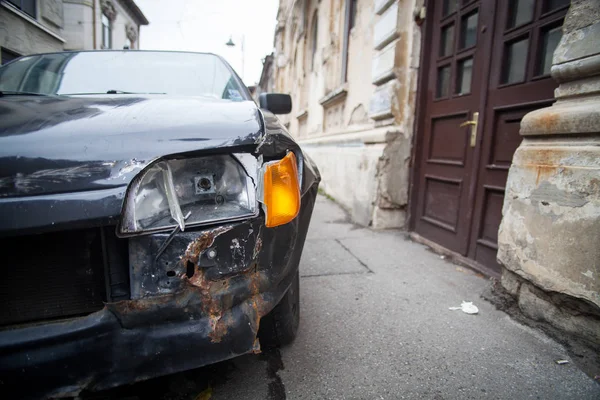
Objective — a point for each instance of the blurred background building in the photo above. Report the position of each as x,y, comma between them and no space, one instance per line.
38,26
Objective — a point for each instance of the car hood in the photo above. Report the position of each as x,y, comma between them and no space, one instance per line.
61,144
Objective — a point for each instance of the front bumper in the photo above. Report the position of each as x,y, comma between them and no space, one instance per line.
197,303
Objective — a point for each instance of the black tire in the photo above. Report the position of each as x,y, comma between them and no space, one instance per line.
280,326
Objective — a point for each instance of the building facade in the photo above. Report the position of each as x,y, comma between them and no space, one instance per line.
39,26
266,83
347,65
415,111
102,24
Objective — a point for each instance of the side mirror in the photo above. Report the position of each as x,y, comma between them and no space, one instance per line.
277,103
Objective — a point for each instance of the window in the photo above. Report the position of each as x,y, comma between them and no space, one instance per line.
464,76
520,12
443,82
468,35
515,61
106,32
551,5
315,41
550,40
27,6
7,55
350,22
449,7
447,41
352,13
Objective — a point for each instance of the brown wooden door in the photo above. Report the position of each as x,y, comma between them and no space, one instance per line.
487,57
454,93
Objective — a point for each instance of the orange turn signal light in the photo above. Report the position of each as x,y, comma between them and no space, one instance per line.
281,191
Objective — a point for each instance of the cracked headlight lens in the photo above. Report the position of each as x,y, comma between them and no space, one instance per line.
188,192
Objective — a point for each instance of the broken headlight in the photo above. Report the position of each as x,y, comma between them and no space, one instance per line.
188,192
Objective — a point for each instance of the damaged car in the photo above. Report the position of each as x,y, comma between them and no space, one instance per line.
152,219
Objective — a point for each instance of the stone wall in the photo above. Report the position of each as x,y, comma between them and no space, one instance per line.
550,232
356,125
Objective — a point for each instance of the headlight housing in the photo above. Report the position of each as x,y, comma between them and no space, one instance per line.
191,191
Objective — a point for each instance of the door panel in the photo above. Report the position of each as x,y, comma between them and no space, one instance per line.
448,145
492,57
442,202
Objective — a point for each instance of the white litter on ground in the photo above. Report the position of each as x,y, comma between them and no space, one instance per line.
467,307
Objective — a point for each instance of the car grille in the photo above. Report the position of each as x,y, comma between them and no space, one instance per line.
61,274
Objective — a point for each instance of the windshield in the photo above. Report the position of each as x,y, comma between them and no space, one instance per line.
115,72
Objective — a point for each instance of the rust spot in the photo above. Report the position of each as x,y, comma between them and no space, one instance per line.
549,121
257,248
543,172
139,305
547,156
219,327
256,347
215,303
257,301
594,185
204,241
544,162
210,303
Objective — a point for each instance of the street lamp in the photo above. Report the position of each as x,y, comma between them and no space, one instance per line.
230,43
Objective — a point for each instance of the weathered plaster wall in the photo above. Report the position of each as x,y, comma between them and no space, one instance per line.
549,239
354,168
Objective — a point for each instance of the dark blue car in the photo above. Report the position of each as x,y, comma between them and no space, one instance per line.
152,219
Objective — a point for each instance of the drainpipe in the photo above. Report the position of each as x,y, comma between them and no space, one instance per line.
94,22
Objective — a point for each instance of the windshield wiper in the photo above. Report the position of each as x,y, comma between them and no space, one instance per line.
115,91
13,93
111,91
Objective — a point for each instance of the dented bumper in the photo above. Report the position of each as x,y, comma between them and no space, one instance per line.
198,302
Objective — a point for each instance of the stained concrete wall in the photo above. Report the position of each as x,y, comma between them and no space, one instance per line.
549,239
358,130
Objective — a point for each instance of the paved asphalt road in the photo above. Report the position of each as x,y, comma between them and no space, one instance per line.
375,324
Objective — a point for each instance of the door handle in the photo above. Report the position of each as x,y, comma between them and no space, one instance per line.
472,123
